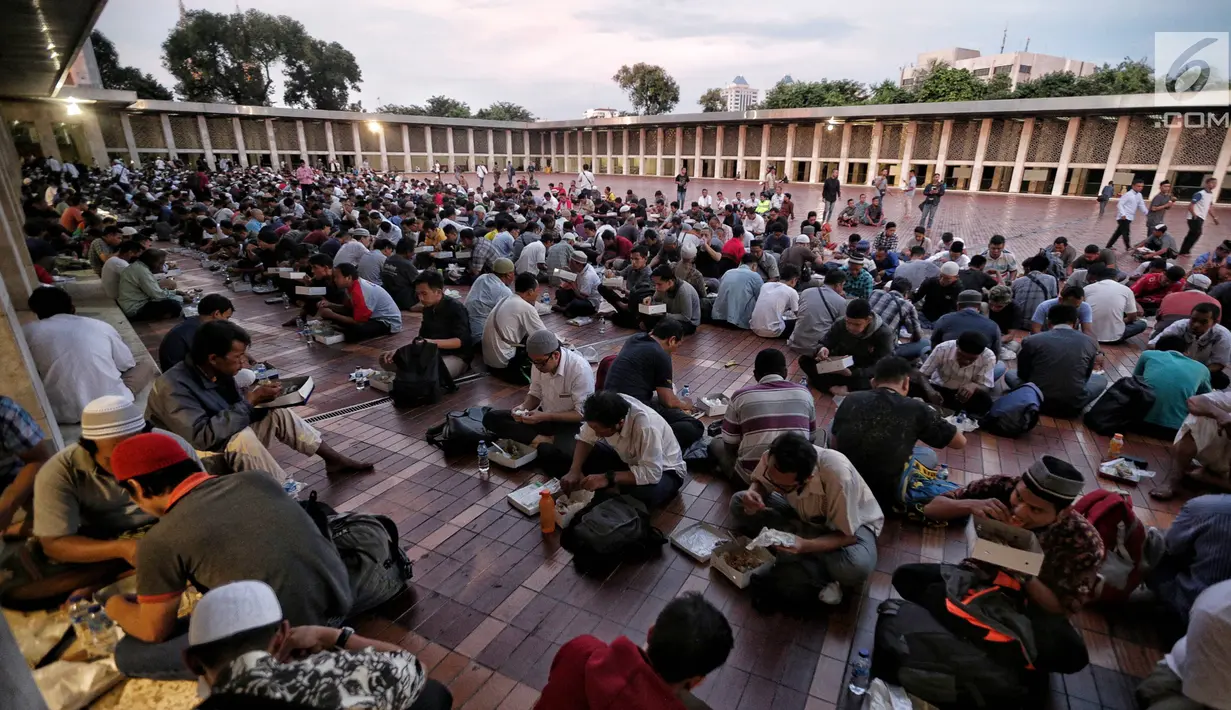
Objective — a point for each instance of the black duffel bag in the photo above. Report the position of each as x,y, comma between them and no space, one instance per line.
1122,407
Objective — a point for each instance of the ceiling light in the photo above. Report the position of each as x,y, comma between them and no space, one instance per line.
72,109
374,127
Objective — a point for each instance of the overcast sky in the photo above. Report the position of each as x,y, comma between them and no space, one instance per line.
557,58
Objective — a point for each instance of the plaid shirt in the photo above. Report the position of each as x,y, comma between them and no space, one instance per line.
886,242
942,367
482,255
858,285
895,311
18,433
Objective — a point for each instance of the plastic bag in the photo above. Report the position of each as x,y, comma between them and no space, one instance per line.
769,537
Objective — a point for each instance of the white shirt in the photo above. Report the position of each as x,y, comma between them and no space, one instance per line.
705,201
566,389
585,180
942,257
1109,302
1130,204
507,326
645,443
481,171
754,226
532,255
53,165
112,268
1200,658
1202,201
80,359
943,368
775,301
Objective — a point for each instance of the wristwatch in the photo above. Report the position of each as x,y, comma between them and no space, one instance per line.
343,636
611,482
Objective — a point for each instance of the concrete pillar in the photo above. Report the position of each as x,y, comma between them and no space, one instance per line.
908,150
1113,156
491,149
303,141
431,155
47,136
764,152
1223,164
508,142
814,171
273,144
660,154
131,142
168,136
333,155
594,151
844,155
739,152
525,145
470,163
942,152
641,157
207,146
405,148
354,127
718,158
626,169
384,151
679,150
551,151
1169,146
789,169
449,140
976,175
1019,163
1066,155
874,151
94,138
239,142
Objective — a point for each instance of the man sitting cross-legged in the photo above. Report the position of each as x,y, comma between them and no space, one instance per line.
550,415
248,655
625,445
818,495
1205,436
758,414
961,371
199,400
365,311
860,334
213,530
505,329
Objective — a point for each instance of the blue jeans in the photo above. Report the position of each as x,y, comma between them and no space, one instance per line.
914,351
1130,329
998,371
1094,387
163,660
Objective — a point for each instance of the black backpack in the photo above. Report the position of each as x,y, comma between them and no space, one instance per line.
611,530
1122,406
916,651
377,566
1014,414
421,376
461,431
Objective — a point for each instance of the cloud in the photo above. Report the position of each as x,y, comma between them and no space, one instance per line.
557,58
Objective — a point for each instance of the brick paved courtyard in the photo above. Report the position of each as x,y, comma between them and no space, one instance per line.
493,598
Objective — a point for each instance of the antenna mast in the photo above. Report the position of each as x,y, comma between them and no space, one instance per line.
1003,38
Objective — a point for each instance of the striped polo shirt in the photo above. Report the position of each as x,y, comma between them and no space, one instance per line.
759,413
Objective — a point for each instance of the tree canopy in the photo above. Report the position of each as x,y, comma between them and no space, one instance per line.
439,106
234,57
122,78
650,89
711,101
505,111
803,94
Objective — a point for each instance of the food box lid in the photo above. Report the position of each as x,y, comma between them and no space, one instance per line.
698,540
526,498
1003,545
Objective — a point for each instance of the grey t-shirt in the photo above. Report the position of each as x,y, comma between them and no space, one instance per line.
244,526
1160,216
73,496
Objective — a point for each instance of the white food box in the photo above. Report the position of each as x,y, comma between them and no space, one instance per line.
310,290
715,404
462,255
615,282
699,540
293,275
1023,555
295,392
526,498
575,502
172,273
279,270
515,454
330,338
833,364
381,381
443,255
652,309
565,275
425,250
240,286
740,579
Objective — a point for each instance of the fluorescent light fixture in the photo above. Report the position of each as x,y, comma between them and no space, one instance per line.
71,108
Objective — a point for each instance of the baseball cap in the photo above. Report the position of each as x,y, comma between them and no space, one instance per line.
542,342
969,297
949,268
1199,281
144,454
110,417
502,266
1000,294
233,609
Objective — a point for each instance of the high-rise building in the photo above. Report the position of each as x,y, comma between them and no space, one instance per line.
1019,66
739,96
600,113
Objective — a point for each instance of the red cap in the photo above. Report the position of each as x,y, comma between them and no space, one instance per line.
144,454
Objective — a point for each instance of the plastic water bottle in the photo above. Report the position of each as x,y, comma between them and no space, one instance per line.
545,299
484,464
943,473
259,370
602,325
861,673
78,611
286,301
684,392
102,635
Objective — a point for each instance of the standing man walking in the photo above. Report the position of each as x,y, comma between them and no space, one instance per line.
508,168
1130,204
585,179
931,201
908,192
1105,195
481,171
881,185
681,187
1159,204
831,190
1202,207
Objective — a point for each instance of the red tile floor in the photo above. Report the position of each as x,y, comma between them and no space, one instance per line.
492,598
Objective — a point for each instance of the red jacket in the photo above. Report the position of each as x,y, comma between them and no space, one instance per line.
588,674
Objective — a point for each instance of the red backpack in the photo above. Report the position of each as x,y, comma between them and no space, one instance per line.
1124,539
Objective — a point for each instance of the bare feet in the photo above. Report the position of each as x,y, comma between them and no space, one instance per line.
345,464
1164,491
542,439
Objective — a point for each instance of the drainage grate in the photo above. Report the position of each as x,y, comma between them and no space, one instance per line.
325,416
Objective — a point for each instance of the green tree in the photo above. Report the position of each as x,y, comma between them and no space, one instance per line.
122,78
806,94
650,89
944,83
1061,83
446,107
888,92
1131,76
411,110
711,101
321,75
505,111
220,57
998,87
